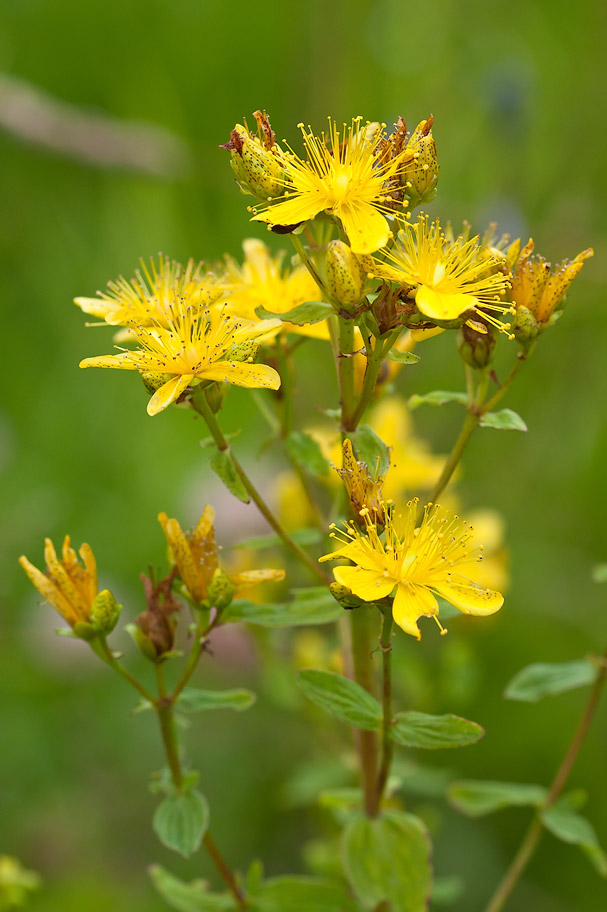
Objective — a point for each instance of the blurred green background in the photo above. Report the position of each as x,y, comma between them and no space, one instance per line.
517,93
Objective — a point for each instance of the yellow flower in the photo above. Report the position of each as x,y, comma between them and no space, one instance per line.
263,281
193,348
71,587
538,289
418,563
148,299
450,280
195,555
344,175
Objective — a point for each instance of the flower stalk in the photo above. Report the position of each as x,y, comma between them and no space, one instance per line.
534,833
202,406
385,643
361,630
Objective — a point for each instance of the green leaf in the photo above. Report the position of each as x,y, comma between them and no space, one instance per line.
308,312
371,449
447,890
314,605
565,824
402,357
306,452
301,536
437,397
341,697
387,858
543,679
181,821
223,466
477,797
505,420
188,897
192,699
302,894
416,729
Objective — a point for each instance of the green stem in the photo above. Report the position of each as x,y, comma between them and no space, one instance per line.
385,643
473,416
166,718
374,363
200,638
360,620
307,262
521,359
108,657
286,387
199,400
534,833
346,369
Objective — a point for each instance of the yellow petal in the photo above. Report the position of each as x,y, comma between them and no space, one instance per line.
96,307
49,591
440,306
362,556
242,374
255,577
367,229
291,211
366,584
468,597
117,361
168,392
411,603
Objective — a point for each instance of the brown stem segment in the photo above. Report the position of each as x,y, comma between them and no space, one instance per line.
534,833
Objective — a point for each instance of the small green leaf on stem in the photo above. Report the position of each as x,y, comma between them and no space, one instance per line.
387,858
306,452
371,449
188,897
342,698
193,699
504,420
223,466
181,821
416,729
447,890
599,573
477,797
308,312
570,827
436,397
312,605
544,679
402,357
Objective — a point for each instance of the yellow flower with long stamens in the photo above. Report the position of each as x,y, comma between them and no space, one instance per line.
418,563
195,555
149,297
264,281
344,175
71,588
450,279
193,348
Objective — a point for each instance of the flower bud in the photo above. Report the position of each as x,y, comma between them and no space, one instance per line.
525,326
344,596
476,347
105,612
216,394
143,642
420,176
346,276
254,163
221,590
153,380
